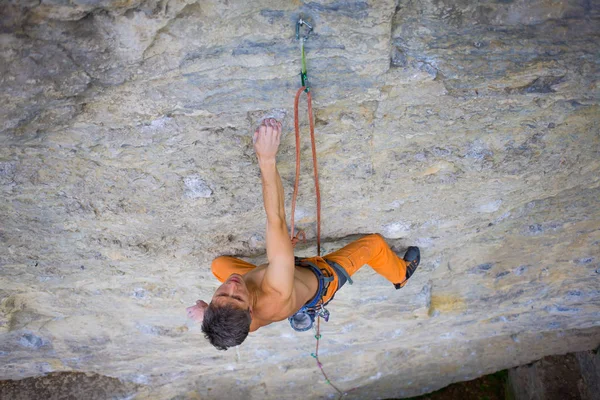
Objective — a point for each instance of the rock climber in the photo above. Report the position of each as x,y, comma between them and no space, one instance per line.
252,296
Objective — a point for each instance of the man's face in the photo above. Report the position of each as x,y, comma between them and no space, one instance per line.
232,292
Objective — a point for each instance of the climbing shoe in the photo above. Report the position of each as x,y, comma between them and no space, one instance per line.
412,258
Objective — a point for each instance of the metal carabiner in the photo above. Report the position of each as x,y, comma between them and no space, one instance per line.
298,25
323,312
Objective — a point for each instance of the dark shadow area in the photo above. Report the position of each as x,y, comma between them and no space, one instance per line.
67,385
574,376
489,387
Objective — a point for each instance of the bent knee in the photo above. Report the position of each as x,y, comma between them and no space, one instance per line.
219,264
377,241
376,237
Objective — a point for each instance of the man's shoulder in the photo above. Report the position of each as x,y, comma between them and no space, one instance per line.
270,294
272,305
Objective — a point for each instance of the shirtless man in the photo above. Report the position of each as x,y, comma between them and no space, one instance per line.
254,296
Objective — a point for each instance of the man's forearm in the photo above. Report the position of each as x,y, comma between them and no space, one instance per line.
272,191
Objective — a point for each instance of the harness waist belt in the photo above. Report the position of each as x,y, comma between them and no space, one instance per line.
323,280
341,273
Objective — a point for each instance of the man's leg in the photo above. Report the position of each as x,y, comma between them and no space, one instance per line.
372,250
222,267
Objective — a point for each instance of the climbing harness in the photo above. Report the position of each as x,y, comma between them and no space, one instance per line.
303,320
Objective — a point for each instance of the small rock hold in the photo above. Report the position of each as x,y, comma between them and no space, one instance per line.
196,188
490,207
520,270
7,172
31,340
396,230
257,241
398,58
478,150
485,267
536,228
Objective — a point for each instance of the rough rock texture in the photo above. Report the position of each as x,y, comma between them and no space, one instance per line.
572,376
66,385
470,129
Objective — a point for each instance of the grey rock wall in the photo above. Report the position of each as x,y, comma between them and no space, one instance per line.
470,129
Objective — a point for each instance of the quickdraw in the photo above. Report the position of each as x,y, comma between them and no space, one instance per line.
302,39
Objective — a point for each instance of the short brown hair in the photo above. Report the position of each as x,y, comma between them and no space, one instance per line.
226,326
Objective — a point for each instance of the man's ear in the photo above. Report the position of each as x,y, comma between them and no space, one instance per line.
196,312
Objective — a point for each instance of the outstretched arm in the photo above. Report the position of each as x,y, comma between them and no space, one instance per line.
279,276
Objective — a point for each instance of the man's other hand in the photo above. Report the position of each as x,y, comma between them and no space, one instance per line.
266,139
196,312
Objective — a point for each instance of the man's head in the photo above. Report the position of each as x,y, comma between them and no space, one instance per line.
226,320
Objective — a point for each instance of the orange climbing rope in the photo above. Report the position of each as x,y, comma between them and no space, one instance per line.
301,235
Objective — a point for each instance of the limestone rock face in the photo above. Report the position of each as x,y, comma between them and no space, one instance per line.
470,129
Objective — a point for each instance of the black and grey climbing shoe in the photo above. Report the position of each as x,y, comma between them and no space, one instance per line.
412,258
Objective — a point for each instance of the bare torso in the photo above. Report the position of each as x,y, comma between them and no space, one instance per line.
270,307
277,292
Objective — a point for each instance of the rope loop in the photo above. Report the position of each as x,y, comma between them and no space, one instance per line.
293,238
299,237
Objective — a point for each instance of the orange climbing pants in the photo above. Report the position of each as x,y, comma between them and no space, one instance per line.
371,250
